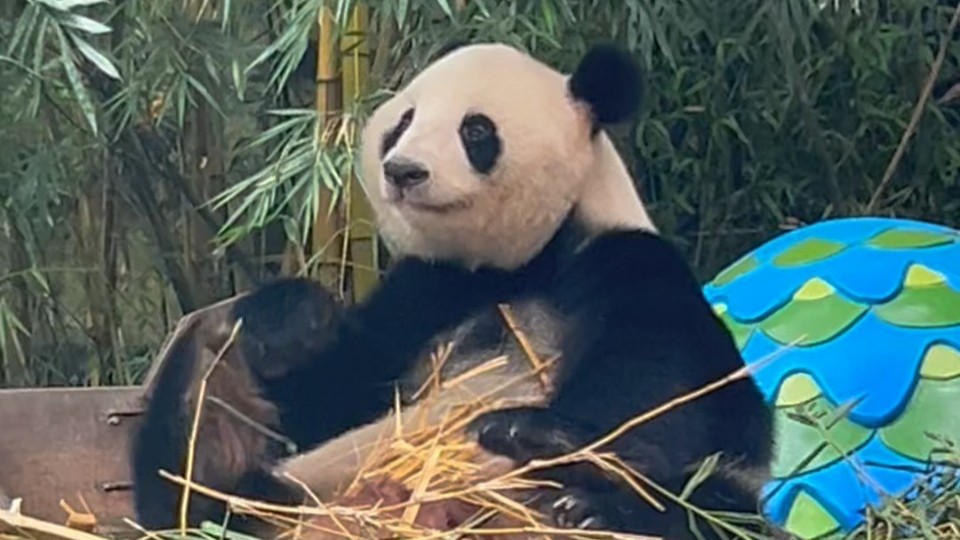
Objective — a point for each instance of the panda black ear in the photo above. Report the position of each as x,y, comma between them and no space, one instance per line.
610,82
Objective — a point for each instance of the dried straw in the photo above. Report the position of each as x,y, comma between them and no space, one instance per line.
438,465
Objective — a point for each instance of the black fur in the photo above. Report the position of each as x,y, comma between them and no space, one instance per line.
284,323
161,441
321,388
610,82
390,138
640,334
353,381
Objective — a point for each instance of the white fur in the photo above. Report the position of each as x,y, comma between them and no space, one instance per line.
549,166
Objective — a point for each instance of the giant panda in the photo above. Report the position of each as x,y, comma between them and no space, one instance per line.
493,181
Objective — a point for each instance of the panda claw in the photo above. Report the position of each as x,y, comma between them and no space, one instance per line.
566,502
575,509
585,524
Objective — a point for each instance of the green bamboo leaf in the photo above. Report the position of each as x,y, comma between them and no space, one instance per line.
805,446
23,29
549,17
96,58
731,123
445,6
706,469
5,313
76,83
39,44
202,90
67,5
84,24
238,79
218,531
182,98
227,13
402,7
40,279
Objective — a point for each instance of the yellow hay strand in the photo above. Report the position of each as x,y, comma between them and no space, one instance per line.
524,343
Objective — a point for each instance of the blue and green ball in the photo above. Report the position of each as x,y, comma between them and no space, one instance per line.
858,324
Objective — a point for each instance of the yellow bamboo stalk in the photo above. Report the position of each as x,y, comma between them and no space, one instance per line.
362,234
328,222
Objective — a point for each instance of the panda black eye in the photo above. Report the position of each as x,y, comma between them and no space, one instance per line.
481,142
476,128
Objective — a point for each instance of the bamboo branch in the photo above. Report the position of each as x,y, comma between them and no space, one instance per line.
917,113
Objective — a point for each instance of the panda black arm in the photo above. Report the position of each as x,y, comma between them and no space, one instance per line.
640,333
351,382
324,368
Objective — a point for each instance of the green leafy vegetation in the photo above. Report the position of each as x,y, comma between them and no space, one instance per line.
158,155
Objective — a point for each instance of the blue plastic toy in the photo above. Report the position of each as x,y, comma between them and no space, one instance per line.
871,307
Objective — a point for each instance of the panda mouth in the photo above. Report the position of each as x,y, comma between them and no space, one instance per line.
418,202
441,208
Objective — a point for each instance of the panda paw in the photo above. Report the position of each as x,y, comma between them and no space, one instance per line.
577,509
525,433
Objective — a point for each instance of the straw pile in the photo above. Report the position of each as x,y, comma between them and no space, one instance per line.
432,482
426,479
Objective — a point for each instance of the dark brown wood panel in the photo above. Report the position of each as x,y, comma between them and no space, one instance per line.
62,443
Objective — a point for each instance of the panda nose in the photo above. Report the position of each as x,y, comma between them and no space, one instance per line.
404,173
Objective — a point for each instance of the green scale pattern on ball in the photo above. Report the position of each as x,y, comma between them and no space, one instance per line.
857,322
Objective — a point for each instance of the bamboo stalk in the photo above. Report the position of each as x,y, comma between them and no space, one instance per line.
327,223
361,226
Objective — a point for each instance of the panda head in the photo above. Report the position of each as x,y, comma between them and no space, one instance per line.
484,154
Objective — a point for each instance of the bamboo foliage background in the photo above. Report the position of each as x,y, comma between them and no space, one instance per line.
158,155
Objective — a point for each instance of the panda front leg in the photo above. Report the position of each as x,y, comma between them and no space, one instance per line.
640,333
352,382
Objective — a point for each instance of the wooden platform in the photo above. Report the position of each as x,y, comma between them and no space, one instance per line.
69,444
72,444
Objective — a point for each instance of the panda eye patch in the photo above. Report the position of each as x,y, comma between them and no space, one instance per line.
481,142
391,137
476,128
